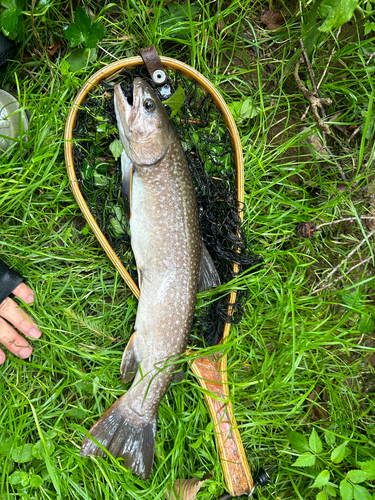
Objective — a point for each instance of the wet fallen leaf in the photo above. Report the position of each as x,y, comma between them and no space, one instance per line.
220,25
273,19
185,489
317,400
52,49
371,360
317,144
306,229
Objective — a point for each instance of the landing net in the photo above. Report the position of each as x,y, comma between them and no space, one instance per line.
210,155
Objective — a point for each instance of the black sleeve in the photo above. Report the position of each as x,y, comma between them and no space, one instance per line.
9,279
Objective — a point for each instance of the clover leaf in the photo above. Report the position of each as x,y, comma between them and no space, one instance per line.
83,31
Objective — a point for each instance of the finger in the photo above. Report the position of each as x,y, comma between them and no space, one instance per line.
24,292
2,357
13,340
11,311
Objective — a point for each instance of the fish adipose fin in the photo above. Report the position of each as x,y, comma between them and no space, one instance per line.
208,275
129,362
122,437
127,181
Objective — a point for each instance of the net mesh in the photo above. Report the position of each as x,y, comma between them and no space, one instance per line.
210,155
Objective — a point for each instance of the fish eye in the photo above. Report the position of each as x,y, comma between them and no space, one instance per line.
149,105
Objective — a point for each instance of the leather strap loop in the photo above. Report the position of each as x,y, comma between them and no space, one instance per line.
154,65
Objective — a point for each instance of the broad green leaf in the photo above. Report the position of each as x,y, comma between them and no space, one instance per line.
248,109
50,434
244,110
338,454
305,460
352,299
74,35
346,490
76,412
23,453
315,442
6,467
97,32
321,496
371,121
91,54
5,444
96,383
369,26
77,60
310,31
83,32
82,20
366,324
357,476
369,468
322,479
100,180
9,16
298,441
174,20
335,13
330,488
19,477
38,449
116,148
118,222
176,101
330,438
360,493
64,67
215,488
36,481
197,443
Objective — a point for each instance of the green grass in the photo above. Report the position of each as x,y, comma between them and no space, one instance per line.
290,340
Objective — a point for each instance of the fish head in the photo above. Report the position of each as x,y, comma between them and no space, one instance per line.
145,129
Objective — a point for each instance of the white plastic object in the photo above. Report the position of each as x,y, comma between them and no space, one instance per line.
12,120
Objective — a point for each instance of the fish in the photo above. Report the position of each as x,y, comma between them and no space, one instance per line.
173,264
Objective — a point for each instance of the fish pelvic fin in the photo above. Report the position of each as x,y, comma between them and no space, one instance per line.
129,362
121,433
208,275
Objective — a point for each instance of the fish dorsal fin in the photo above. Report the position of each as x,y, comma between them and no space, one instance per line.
127,181
208,275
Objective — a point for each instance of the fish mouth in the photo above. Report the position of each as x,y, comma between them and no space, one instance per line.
123,107
126,107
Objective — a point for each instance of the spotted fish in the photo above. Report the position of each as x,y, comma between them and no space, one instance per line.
172,263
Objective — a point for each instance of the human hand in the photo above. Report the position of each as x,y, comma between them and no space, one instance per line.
14,315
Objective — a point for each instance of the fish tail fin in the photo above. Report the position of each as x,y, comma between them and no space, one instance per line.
123,435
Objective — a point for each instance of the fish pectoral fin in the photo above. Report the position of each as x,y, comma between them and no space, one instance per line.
129,362
208,275
127,182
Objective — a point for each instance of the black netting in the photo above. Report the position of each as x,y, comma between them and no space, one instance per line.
209,152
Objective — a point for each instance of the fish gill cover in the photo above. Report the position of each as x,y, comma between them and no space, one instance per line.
210,155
